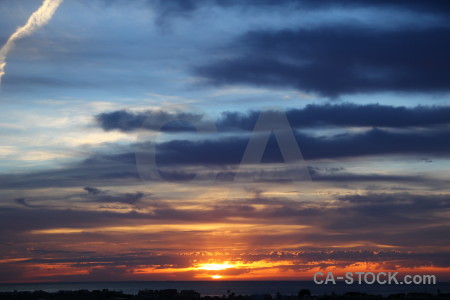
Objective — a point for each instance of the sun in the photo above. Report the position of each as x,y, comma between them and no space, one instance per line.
216,277
215,267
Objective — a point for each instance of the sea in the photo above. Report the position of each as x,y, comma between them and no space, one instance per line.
220,288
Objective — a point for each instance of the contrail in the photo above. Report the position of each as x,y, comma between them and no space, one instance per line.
38,19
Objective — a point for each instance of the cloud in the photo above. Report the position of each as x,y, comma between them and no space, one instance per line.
101,196
114,168
184,7
38,19
174,158
312,115
92,190
343,176
372,115
335,61
401,220
370,142
152,120
123,266
347,114
23,202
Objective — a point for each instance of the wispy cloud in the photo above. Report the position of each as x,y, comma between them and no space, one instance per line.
38,19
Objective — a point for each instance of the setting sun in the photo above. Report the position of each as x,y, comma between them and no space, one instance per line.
215,267
216,277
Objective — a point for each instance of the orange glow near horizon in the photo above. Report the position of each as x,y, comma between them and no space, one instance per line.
277,271
215,267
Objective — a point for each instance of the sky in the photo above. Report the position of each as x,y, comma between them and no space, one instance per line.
223,140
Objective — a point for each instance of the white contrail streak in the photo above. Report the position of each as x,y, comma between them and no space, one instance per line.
38,19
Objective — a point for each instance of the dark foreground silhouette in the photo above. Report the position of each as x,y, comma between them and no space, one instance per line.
172,294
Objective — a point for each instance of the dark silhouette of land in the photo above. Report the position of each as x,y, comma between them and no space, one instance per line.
173,294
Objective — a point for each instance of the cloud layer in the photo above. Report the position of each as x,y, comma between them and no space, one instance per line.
313,115
337,61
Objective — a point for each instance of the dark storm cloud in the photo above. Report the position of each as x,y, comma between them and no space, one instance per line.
177,7
336,61
97,195
369,115
371,142
129,198
345,114
152,120
348,114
